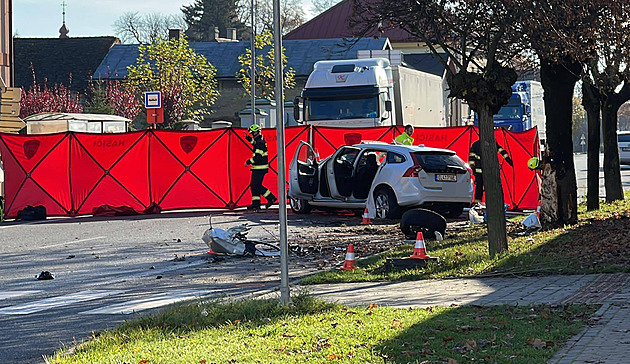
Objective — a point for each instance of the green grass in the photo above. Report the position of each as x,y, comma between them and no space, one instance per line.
599,243
310,331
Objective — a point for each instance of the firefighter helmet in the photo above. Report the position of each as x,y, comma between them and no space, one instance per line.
254,128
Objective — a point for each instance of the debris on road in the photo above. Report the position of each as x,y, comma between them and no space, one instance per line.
44,276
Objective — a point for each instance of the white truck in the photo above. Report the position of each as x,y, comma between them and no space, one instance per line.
370,92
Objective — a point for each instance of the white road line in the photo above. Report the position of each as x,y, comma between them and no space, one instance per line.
59,301
151,272
11,294
74,241
154,301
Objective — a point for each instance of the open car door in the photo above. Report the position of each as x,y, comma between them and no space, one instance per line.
340,172
303,173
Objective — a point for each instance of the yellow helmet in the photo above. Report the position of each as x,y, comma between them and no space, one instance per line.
533,163
254,128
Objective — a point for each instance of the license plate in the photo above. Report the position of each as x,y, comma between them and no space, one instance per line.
625,149
446,178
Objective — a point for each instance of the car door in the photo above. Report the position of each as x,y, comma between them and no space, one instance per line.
340,172
303,172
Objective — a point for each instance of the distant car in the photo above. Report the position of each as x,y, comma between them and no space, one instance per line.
400,177
624,146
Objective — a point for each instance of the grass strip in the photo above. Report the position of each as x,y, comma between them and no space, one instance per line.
599,243
311,331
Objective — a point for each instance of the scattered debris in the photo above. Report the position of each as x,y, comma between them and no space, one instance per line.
44,276
70,256
158,277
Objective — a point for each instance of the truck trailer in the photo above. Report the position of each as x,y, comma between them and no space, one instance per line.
370,92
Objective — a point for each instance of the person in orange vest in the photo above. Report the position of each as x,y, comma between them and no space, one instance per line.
259,167
475,163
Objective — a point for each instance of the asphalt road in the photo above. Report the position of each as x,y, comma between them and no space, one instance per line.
100,262
580,170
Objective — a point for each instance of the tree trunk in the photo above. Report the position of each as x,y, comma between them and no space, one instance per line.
558,82
590,101
497,236
612,172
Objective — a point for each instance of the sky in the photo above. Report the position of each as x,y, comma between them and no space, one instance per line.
84,18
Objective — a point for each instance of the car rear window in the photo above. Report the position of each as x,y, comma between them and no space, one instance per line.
624,137
440,162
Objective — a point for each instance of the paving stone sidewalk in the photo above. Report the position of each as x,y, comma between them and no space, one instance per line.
605,340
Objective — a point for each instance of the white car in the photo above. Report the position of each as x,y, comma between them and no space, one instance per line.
399,177
623,138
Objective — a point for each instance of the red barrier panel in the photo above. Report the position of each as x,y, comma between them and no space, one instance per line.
76,173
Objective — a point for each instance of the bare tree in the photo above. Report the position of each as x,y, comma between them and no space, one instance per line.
319,6
146,28
292,14
480,40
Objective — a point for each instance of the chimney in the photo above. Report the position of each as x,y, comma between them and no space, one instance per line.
175,34
231,34
214,34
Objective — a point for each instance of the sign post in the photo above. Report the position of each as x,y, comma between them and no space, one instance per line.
153,105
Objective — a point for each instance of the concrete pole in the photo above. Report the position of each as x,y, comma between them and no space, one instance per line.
282,193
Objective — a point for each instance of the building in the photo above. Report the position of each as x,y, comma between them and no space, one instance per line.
301,56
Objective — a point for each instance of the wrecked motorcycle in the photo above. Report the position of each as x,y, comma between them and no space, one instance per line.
234,241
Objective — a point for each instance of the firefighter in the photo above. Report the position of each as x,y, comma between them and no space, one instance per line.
405,138
474,161
259,167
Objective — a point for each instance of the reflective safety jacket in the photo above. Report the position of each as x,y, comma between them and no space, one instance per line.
404,139
474,157
259,160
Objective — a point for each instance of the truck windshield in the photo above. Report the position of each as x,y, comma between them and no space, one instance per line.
336,109
509,112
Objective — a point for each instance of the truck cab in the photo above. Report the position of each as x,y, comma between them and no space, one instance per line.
349,93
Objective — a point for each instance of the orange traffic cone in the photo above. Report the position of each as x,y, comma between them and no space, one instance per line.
419,251
350,263
366,219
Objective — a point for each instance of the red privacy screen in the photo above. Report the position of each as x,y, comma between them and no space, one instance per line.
153,170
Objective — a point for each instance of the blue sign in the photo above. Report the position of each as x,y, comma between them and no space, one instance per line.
153,100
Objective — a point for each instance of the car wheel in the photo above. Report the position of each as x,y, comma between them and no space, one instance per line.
422,221
453,211
386,204
299,206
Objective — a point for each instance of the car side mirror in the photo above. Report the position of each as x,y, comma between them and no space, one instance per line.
388,105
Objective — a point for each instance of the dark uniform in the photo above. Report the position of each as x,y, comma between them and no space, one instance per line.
475,163
259,167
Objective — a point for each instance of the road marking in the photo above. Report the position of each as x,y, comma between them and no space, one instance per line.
152,272
74,241
154,301
12,294
59,301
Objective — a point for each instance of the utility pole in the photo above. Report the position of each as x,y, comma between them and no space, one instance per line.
282,193
253,67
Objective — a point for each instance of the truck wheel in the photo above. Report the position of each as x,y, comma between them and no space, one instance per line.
299,206
422,221
386,204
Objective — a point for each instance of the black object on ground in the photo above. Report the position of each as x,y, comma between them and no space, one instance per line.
392,265
44,276
424,221
32,213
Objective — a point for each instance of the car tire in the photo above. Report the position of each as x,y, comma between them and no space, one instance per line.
386,204
452,211
299,206
421,220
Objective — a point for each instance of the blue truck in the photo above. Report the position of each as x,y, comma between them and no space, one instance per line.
524,110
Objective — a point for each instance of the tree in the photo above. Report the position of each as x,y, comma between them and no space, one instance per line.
265,68
43,99
591,103
146,28
480,39
203,15
113,98
186,79
319,6
97,102
555,29
291,15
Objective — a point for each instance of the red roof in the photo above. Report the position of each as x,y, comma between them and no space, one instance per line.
334,23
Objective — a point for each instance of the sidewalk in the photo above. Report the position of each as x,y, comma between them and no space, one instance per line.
605,340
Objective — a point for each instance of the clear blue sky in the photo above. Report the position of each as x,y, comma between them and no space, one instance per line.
42,18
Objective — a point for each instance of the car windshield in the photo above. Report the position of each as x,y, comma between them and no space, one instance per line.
509,112
336,109
624,138
440,162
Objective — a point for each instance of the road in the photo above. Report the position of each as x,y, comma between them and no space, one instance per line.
580,170
103,262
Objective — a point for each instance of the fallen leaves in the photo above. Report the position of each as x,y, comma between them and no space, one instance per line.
396,324
537,343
